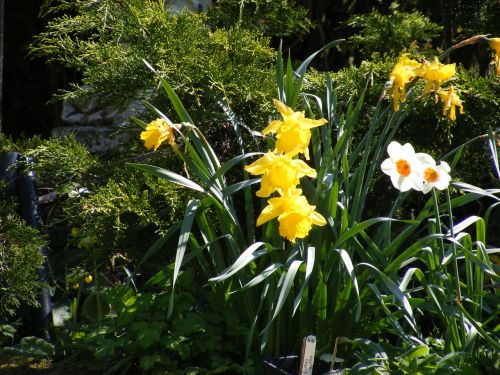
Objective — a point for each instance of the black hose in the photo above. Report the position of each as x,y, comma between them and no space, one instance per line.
22,183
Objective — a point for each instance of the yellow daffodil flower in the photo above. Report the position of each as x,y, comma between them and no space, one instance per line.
293,134
403,167
495,44
157,132
404,71
451,100
279,172
435,74
434,176
294,214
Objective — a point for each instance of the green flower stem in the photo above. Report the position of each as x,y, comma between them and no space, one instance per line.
76,302
455,262
98,298
478,327
472,40
453,247
438,224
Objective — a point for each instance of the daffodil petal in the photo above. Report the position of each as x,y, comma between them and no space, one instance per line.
282,108
268,213
273,127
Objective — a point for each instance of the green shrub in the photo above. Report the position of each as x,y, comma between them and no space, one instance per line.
108,41
20,261
271,18
98,205
124,214
58,161
392,33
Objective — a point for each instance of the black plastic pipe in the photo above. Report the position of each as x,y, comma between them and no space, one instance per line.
22,183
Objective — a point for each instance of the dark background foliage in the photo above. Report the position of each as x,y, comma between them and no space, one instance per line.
28,84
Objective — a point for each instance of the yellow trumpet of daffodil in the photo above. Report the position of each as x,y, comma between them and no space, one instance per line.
295,215
402,73
293,134
435,74
279,172
495,44
451,100
157,132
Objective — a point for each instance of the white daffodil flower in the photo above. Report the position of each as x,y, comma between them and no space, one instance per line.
433,175
403,167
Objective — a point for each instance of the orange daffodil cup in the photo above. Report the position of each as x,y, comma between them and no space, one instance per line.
418,171
403,167
281,171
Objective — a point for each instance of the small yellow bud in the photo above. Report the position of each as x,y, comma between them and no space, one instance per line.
76,286
88,279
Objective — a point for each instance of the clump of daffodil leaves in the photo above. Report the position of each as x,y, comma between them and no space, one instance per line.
281,169
314,222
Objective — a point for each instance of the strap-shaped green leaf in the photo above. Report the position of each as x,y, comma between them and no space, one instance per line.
350,269
231,189
280,74
168,175
457,228
285,289
302,68
359,227
300,72
397,293
142,124
253,252
187,223
476,190
411,251
262,276
311,252
174,99
390,315
158,244
231,163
